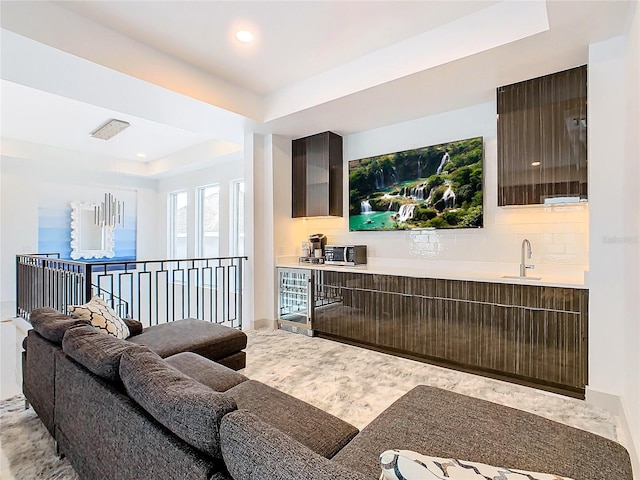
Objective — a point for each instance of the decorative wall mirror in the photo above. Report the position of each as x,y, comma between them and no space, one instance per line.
89,240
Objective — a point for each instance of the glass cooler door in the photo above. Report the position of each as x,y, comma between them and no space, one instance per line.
295,297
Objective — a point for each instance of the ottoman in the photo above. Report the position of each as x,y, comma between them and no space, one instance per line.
219,343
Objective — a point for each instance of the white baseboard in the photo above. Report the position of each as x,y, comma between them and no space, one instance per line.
264,324
617,407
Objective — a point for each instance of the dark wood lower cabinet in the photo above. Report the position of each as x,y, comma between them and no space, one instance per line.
534,335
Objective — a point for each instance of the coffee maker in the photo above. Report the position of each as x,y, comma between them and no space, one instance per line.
317,241
313,250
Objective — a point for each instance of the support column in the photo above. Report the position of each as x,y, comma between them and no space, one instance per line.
260,276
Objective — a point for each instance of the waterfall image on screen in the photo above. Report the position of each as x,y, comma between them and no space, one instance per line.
439,186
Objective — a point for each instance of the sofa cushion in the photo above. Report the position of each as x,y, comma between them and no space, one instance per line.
446,424
97,352
253,449
209,373
101,316
318,430
191,335
52,324
191,410
406,464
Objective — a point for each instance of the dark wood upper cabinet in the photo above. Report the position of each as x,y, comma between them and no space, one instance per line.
542,139
317,175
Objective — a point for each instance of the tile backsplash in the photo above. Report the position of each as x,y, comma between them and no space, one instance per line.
558,236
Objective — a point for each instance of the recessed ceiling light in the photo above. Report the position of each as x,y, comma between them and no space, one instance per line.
141,155
244,36
535,164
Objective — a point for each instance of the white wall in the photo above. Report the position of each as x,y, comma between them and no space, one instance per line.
606,192
559,234
25,185
631,395
614,185
18,225
288,233
148,229
222,174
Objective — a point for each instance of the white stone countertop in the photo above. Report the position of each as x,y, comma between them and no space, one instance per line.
551,279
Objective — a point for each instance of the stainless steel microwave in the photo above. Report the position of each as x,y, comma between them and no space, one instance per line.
345,254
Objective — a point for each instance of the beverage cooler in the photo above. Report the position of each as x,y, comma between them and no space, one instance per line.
295,300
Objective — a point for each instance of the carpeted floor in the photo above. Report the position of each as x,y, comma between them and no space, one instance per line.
27,445
349,382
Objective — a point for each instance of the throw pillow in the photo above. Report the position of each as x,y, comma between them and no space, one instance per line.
101,316
135,327
408,465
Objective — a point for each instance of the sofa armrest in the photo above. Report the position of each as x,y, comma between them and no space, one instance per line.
52,324
135,327
253,449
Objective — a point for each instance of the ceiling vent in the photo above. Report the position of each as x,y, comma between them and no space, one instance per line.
110,129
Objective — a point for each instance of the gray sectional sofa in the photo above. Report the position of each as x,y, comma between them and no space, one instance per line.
434,422
123,412
43,350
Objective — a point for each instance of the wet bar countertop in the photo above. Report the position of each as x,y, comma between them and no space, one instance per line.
547,279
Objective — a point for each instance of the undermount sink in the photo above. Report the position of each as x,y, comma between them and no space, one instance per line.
518,277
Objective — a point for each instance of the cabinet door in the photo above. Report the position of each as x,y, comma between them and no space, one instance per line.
351,316
298,178
551,347
542,139
316,175
294,295
393,319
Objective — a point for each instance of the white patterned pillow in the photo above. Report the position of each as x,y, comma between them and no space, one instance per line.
408,465
101,316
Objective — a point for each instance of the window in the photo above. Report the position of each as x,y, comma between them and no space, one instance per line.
178,238
237,218
208,222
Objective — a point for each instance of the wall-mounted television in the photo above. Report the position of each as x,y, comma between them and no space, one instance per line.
438,186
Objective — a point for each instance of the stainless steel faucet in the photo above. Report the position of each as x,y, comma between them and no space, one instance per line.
526,244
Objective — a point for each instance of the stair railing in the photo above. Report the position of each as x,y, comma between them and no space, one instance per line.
152,291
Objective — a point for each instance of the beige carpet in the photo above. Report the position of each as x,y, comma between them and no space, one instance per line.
352,383
356,384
